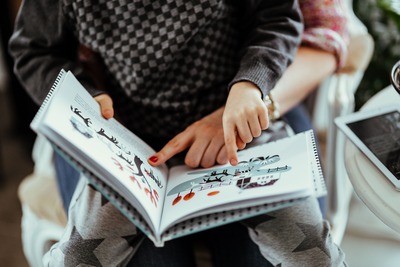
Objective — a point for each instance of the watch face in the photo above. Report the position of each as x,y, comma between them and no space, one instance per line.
395,76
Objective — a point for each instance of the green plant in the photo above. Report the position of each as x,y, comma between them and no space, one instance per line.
381,17
392,9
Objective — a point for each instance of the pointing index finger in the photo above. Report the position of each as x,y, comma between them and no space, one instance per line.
176,145
230,144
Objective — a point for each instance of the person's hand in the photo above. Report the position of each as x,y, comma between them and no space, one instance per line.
245,117
106,105
204,140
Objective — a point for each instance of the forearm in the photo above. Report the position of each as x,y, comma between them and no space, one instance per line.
310,67
41,46
271,33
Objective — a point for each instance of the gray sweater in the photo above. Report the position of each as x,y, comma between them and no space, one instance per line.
168,63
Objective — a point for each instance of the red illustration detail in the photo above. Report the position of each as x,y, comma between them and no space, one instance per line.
119,165
133,179
153,195
189,195
177,199
213,193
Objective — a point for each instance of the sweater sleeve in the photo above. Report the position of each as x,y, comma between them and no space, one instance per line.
272,34
41,45
326,27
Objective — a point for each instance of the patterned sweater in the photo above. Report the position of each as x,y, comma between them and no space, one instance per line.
326,27
168,62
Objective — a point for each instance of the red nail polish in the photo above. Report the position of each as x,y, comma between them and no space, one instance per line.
153,159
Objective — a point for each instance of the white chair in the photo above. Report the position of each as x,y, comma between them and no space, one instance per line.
43,217
335,97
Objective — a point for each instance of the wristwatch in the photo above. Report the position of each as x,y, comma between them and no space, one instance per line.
273,107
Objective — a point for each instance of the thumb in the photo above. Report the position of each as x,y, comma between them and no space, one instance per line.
106,105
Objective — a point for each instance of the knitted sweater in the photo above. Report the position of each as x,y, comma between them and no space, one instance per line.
326,27
168,62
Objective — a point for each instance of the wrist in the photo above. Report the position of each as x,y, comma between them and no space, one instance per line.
272,106
246,85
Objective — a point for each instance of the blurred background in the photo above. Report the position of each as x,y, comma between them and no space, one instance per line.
16,140
380,248
382,18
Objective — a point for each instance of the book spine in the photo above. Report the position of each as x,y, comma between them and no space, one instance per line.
39,114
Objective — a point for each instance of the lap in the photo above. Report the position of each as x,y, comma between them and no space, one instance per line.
227,246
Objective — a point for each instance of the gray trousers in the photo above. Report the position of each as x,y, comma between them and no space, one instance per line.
97,234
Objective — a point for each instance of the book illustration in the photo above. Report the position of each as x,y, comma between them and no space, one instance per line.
87,121
85,131
124,159
246,175
163,202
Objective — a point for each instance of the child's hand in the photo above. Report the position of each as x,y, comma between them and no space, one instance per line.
245,117
204,140
106,105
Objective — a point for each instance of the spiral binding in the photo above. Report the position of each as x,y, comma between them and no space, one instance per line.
45,102
317,161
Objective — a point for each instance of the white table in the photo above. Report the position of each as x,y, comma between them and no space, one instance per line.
369,183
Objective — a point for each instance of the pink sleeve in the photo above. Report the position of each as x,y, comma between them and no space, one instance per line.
325,27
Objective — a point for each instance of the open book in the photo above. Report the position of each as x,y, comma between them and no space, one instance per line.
168,203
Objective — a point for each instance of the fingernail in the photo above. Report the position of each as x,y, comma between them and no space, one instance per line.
153,159
107,113
233,162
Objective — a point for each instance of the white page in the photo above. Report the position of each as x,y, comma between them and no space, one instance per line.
75,115
291,174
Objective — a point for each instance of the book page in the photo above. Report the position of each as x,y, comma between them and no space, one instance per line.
274,171
74,123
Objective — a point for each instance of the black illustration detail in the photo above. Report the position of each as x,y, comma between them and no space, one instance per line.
87,121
